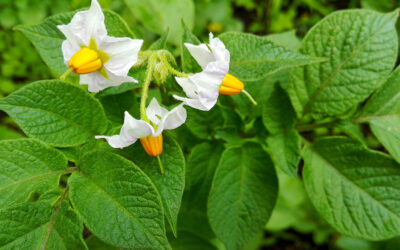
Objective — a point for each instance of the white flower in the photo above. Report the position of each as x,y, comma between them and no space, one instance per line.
202,89
134,129
102,60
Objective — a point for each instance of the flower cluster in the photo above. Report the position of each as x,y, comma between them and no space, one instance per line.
104,61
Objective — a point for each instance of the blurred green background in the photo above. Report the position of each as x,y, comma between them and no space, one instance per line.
294,223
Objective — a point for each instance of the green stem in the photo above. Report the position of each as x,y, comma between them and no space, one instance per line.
63,76
145,88
170,68
250,97
160,164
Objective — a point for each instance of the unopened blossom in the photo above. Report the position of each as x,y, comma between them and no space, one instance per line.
202,89
149,132
101,60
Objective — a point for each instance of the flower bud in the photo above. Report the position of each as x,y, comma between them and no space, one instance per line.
231,85
160,73
85,61
152,145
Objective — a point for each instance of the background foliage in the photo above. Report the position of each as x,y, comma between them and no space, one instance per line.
294,223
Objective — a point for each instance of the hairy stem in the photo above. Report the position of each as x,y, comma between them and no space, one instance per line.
145,88
170,68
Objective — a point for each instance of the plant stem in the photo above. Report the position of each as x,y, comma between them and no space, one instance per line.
63,76
170,68
250,97
160,164
145,88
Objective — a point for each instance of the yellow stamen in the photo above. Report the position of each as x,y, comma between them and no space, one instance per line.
231,85
85,61
152,145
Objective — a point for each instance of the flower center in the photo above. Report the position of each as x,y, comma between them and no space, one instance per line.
85,61
152,145
231,85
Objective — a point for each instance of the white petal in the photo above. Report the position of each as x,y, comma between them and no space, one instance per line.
118,141
135,128
172,120
201,53
98,82
196,103
85,25
123,53
155,112
188,86
202,88
175,118
69,49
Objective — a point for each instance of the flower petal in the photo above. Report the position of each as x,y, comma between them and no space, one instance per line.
97,81
69,49
201,88
118,141
201,53
135,128
155,112
122,52
85,25
173,119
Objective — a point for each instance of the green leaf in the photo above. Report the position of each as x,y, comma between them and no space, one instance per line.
388,133
170,185
7,133
260,90
204,124
191,241
56,112
386,101
286,39
243,195
95,243
116,105
40,226
284,142
355,189
28,166
189,64
201,166
158,16
362,49
118,202
47,39
160,43
254,57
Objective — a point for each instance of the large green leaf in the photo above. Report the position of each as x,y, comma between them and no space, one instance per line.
362,49
386,101
47,39
284,142
28,166
56,112
40,226
201,166
388,133
172,183
254,57
118,202
355,189
286,39
158,16
243,194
